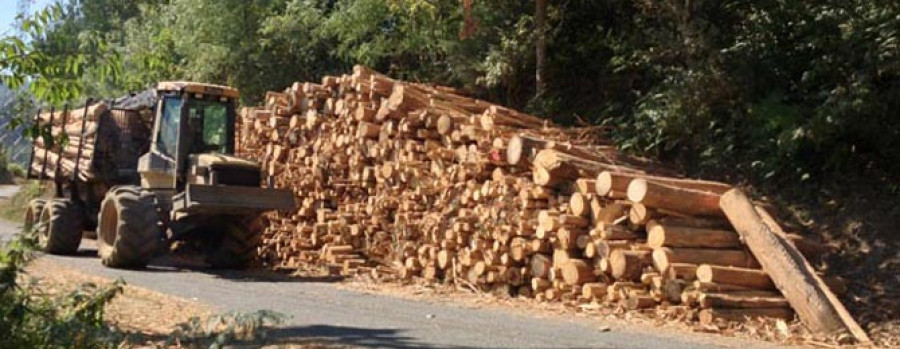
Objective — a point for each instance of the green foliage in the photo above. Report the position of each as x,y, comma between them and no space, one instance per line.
16,170
771,89
221,330
764,89
32,319
53,73
14,209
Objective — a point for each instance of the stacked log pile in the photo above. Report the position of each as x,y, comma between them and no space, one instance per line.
411,181
69,143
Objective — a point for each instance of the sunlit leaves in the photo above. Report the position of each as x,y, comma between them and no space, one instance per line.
54,77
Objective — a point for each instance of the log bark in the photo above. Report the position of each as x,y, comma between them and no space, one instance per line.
572,167
577,272
593,290
615,184
664,256
817,306
711,315
628,265
662,196
681,271
667,235
725,300
750,278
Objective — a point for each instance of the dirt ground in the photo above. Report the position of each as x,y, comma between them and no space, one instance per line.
136,309
150,314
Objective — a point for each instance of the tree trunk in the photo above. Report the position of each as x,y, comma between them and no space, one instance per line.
540,13
794,276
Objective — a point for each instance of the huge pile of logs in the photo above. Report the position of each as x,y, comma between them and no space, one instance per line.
405,180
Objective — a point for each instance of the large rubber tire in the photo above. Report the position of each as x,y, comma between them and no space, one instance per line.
33,213
61,226
231,242
128,233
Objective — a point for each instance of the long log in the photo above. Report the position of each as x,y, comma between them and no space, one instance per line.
660,235
573,166
710,315
809,248
751,278
662,196
817,306
615,184
662,257
75,116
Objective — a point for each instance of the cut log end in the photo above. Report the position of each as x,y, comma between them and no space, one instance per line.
637,190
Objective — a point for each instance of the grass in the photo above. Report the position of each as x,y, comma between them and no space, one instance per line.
14,209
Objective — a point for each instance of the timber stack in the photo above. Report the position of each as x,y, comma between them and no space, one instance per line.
82,142
73,131
402,180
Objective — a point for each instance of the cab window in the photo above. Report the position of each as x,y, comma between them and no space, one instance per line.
168,128
209,126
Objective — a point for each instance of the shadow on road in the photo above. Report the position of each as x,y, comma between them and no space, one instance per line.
352,336
264,275
83,253
183,263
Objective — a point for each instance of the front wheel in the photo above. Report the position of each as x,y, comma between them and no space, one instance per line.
231,242
128,233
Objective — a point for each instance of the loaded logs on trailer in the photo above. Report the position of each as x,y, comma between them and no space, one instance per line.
403,180
86,144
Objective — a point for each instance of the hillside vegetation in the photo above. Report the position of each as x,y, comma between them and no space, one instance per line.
766,90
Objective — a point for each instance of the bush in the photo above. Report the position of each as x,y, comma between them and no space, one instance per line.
220,330
768,90
31,319
14,209
16,170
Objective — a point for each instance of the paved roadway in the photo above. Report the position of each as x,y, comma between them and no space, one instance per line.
322,310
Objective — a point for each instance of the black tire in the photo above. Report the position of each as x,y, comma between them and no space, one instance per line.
61,226
33,213
128,233
231,242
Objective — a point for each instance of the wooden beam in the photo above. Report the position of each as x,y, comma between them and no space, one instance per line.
817,306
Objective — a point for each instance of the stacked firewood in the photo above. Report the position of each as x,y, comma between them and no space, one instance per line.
413,181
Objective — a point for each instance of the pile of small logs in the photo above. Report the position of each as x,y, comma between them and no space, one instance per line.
412,181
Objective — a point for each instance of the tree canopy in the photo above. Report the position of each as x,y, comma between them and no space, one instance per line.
771,88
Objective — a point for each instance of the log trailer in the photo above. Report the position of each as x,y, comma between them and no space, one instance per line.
146,170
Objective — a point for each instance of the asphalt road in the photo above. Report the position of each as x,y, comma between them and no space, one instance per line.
322,310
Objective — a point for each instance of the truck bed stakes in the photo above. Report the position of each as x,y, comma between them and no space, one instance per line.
406,180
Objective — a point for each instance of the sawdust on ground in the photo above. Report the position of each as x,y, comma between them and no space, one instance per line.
148,313
603,316
136,309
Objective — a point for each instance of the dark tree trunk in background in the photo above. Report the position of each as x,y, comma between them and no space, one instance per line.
540,12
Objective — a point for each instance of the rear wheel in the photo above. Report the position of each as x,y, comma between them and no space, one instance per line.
61,226
231,242
33,213
128,233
